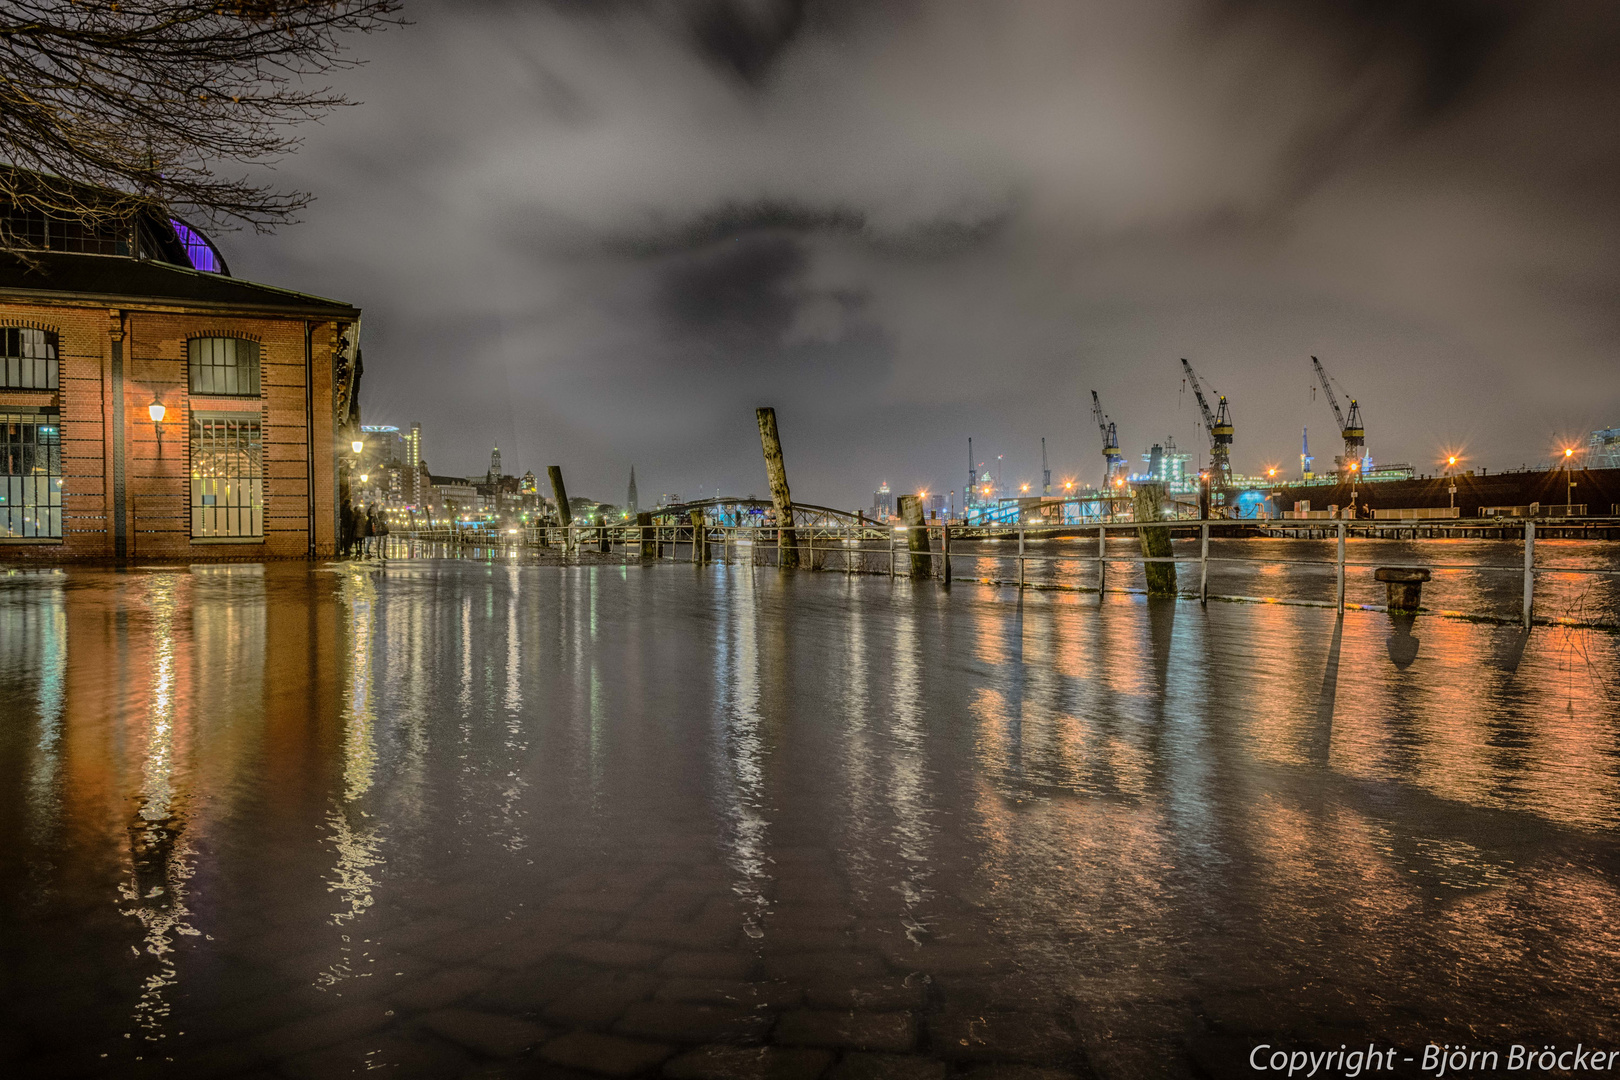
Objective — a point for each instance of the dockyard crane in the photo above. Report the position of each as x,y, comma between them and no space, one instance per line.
1110,438
1219,426
1355,436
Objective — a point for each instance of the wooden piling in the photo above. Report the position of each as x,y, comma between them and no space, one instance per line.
911,515
945,553
565,517
649,543
787,540
1161,576
700,538
603,543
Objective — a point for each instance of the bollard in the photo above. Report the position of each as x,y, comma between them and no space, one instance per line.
1404,586
1529,571
1155,540
700,538
787,541
1203,563
649,545
911,512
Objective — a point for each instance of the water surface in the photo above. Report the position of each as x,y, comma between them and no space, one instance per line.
454,816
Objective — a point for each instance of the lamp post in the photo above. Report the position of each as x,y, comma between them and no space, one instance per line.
1355,474
1451,472
1569,475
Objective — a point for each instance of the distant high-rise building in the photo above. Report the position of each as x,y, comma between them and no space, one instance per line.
883,501
631,503
495,465
413,462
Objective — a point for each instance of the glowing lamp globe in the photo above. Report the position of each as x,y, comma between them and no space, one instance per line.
156,411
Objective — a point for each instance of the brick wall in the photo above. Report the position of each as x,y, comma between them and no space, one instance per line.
157,477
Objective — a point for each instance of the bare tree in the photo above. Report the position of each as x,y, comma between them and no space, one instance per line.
148,99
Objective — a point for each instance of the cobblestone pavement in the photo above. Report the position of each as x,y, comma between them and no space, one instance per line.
489,820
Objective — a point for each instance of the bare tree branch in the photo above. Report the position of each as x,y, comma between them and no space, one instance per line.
146,99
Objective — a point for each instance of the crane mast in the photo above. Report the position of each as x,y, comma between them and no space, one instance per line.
1354,434
1219,425
1110,438
1046,471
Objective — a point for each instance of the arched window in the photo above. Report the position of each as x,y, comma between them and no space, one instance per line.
28,358
224,366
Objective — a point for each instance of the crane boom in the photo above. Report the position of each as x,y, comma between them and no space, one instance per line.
1327,389
1198,392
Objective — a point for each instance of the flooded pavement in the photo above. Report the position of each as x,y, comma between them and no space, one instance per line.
493,819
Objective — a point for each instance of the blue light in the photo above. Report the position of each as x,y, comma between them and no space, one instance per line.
198,250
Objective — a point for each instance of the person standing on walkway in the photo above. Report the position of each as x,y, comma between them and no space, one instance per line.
379,530
362,530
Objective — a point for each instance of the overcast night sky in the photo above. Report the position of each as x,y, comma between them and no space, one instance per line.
599,234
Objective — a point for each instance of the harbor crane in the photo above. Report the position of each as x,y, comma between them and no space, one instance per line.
1110,438
1219,425
1355,435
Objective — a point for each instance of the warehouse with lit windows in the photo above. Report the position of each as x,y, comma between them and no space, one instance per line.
152,406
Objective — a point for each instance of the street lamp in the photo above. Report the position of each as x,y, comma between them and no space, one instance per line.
1569,474
358,446
157,411
1451,466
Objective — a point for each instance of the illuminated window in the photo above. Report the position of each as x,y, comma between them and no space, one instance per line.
27,358
30,475
224,367
227,475
198,250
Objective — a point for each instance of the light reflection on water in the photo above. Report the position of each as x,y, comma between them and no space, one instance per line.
1153,817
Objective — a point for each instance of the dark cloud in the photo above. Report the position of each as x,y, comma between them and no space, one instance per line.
738,290
602,232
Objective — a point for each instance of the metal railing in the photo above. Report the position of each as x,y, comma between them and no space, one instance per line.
887,550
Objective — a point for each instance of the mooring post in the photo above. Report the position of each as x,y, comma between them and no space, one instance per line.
1155,541
891,552
1529,570
565,517
911,514
644,529
945,552
787,541
1020,550
1102,557
700,538
1203,563
603,544
1340,587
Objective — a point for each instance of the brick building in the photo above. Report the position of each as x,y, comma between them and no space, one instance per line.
154,407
